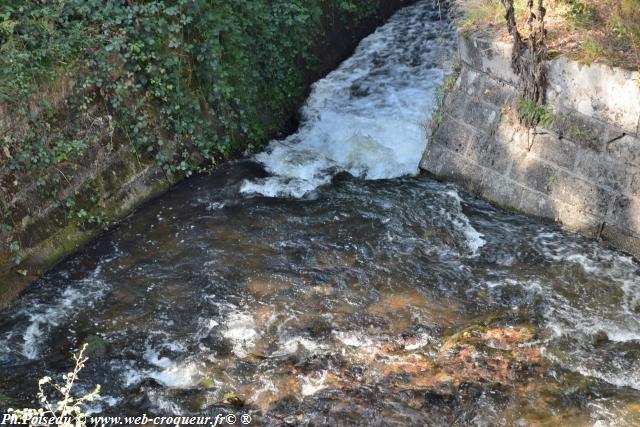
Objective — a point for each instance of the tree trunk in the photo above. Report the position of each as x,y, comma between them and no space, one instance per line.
529,54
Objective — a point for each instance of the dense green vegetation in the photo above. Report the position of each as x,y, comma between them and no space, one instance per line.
185,83
198,62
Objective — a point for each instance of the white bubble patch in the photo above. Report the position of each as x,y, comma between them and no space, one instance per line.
240,329
45,316
474,239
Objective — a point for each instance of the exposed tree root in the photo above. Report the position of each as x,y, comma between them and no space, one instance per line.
529,54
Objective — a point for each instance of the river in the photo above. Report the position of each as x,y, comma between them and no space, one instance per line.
326,282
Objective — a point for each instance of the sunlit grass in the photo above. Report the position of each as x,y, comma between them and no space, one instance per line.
591,50
481,12
589,31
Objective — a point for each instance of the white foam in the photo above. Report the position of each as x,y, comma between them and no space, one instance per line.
311,385
240,329
100,403
163,403
618,334
206,326
181,373
575,314
474,239
619,379
292,345
212,206
43,317
353,339
367,116
619,318
131,376
258,393
421,341
178,375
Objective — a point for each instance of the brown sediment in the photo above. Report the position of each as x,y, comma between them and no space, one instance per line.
262,287
496,355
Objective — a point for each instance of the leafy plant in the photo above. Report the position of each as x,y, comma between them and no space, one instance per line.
480,11
437,117
591,50
14,247
626,23
178,77
68,410
579,13
532,113
449,82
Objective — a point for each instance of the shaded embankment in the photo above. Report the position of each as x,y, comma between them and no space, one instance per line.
104,109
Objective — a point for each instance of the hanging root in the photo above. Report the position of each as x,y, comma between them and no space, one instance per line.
529,54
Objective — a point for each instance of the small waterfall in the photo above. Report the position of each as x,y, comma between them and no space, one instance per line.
367,117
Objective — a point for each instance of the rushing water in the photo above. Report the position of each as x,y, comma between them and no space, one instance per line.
357,296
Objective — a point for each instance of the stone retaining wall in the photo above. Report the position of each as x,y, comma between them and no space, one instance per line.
583,172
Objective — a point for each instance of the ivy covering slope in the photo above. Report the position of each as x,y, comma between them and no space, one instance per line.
184,83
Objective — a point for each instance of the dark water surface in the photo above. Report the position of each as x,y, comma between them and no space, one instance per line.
400,301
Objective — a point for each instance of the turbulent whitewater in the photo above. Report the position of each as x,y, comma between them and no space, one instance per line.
363,294
368,116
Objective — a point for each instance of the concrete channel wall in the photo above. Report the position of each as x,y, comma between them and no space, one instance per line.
584,171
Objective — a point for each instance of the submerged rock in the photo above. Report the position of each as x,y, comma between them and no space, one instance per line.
481,355
96,346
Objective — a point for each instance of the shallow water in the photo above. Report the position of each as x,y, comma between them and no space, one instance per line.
362,297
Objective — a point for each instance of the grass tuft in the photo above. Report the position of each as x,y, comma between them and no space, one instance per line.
531,113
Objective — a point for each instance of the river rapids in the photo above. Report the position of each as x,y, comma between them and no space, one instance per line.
326,282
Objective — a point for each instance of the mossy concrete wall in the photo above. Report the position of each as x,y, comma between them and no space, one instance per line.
116,181
113,179
584,171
